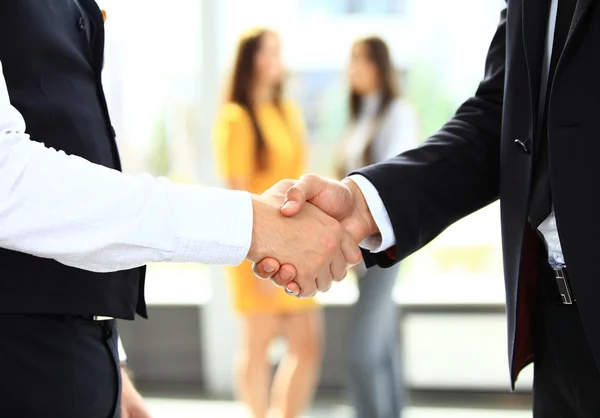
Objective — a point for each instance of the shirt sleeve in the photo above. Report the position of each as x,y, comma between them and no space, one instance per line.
386,238
91,217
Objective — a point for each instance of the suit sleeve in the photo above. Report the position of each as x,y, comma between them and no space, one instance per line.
454,173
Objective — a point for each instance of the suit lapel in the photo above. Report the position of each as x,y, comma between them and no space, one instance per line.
535,14
534,23
97,41
580,10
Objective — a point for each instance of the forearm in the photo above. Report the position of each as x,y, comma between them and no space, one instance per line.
87,216
84,215
455,172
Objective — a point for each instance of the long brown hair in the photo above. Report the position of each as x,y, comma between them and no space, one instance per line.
242,83
379,54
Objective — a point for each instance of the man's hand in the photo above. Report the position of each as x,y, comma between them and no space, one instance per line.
132,403
340,200
314,243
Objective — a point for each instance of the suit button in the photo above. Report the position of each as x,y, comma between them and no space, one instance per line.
81,23
524,145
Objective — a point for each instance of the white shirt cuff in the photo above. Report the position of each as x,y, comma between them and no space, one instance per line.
122,353
386,238
214,226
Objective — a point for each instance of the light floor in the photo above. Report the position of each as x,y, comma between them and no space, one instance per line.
170,408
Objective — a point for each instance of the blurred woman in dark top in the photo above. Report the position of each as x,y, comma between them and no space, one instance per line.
382,125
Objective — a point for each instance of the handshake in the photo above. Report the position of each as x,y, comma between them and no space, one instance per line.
306,232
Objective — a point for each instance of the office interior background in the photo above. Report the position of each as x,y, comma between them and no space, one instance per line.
167,63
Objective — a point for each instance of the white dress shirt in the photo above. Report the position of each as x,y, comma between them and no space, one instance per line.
122,353
548,228
91,217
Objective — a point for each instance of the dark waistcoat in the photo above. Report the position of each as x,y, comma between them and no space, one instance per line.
52,53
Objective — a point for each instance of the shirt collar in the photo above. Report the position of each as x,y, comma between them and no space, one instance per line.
370,103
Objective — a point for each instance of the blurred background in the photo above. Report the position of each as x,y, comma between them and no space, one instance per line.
166,68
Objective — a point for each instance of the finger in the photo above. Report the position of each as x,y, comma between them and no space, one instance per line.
306,281
338,269
292,289
323,285
350,250
309,288
266,268
285,275
306,188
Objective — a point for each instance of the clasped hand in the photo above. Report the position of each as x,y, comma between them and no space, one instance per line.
306,233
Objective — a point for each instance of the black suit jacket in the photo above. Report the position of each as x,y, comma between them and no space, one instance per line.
474,160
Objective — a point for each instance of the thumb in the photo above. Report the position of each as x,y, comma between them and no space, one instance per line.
308,187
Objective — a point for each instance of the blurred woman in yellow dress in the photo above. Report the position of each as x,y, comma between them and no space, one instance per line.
260,139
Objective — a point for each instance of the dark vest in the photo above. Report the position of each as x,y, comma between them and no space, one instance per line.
53,74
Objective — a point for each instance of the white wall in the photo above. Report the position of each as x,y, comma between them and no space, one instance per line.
454,34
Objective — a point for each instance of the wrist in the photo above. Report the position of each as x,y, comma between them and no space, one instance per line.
257,245
366,225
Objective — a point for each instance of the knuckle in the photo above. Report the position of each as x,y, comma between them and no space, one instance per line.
287,273
355,258
310,177
295,193
337,274
319,260
288,183
335,226
325,285
329,243
309,293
